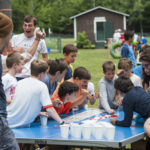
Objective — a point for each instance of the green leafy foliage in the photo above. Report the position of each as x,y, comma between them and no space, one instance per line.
55,14
83,41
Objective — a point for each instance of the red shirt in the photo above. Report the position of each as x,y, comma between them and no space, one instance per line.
64,108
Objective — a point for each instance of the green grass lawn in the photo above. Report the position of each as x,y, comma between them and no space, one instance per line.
92,59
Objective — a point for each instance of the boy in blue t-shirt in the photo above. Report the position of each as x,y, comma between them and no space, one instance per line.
126,49
57,70
70,53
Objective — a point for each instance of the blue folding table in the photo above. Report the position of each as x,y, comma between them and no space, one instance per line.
51,135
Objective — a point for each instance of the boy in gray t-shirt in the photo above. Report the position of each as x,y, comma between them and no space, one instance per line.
107,91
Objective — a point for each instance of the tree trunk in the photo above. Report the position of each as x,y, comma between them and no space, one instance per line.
141,28
5,7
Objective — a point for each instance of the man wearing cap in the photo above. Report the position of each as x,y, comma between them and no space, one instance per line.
25,41
7,139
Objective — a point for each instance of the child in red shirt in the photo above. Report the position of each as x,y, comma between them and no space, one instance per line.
66,95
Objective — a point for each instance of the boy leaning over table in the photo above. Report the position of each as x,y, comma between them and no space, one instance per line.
81,77
31,92
66,95
135,100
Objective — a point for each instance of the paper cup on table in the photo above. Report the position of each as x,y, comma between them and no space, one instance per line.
76,131
110,132
43,120
86,131
71,128
98,131
64,130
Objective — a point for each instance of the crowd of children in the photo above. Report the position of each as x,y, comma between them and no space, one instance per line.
54,87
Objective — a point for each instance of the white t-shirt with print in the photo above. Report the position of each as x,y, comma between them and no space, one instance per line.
30,96
136,80
9,85
21,40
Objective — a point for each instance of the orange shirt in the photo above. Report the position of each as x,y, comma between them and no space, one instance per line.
79,91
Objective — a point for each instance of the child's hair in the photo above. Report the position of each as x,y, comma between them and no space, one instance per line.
56,65
145,54
69,48
12,59
38,66
108,66
123,84
125,63
67,88
29,18
81,73
128,34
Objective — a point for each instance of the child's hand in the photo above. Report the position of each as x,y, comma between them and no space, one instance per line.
44,113
19,49
96,95
57,103
111,111
119,102
9,101
85,92
134,116
120,72
113,120
39,34
92,98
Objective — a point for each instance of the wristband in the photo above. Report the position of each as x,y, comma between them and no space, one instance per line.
37,39
62,123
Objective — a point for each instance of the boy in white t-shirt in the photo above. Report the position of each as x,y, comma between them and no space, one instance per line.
31,95
124,67
14,64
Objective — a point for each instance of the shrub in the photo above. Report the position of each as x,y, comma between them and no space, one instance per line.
83,41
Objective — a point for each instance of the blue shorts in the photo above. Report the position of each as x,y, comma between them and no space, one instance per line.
7,138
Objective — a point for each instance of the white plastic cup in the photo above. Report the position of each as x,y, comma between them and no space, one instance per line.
71,128
98,132
64,130
110,132
76,131
43,120
86,131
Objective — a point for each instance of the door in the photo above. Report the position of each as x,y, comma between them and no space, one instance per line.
100,35
108,28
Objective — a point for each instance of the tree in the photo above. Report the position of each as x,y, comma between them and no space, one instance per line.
20,9
56,13
38,9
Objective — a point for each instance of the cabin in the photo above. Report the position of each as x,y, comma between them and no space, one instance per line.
99,23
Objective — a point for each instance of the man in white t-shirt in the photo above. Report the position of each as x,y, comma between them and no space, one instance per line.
25,41
31,95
